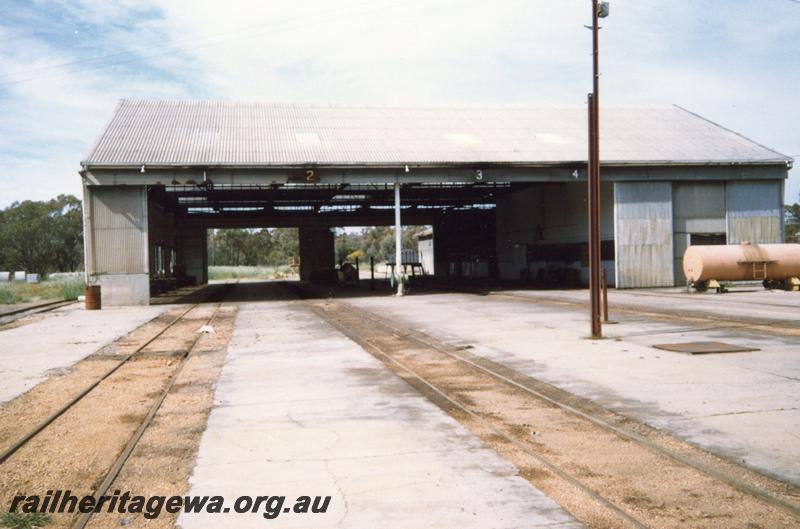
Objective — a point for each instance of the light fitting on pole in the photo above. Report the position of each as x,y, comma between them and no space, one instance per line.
602,10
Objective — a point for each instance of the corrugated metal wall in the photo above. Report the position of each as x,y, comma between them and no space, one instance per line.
643,233
754,212
118,230
699,208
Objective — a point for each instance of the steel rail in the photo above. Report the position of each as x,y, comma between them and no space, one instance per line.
625,434
555,469
77,398
631,308
772,327
37,309
115,469
730,297
8,452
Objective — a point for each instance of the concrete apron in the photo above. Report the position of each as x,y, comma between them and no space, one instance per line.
28,354
300,410
740,405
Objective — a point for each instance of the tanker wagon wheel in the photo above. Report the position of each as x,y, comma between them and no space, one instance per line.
769,284
700,286
775,284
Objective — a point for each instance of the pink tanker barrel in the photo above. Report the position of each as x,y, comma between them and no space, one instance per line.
777,265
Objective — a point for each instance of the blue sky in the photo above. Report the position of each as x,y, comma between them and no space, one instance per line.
65,63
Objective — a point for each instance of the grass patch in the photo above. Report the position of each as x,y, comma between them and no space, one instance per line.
10,295
71,289
19,520
68,288
249,272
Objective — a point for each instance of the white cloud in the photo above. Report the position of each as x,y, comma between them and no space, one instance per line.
735,66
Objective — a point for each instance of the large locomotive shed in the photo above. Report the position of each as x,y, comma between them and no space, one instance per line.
503,187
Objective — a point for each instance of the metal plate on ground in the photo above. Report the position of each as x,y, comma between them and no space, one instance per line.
701,348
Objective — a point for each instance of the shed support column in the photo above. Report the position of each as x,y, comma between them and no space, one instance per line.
398,241
440,264
316,252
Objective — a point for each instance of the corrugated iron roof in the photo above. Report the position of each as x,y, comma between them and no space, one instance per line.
222,133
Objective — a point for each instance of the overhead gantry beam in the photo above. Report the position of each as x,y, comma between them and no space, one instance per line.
307,219
328,205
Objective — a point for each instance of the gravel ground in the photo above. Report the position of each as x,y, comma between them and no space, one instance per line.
78,448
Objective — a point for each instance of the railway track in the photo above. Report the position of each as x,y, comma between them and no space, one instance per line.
716,299
11,316
759,325
605,469
161,363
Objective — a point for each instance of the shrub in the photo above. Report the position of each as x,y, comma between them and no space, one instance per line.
71,289
18,520
9,295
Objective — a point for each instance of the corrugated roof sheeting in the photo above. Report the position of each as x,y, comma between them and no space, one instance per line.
263,134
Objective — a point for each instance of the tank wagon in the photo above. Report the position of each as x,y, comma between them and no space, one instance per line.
777,266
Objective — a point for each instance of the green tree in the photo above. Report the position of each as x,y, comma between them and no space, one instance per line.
228,247
346,244
792,222
376,242
258,247
68,233
278,246
285,246
42,237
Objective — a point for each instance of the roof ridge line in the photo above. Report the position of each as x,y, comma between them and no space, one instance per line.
401,106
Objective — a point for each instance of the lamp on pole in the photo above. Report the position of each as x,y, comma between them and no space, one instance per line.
599,10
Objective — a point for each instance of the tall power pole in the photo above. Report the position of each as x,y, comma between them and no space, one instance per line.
599,10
